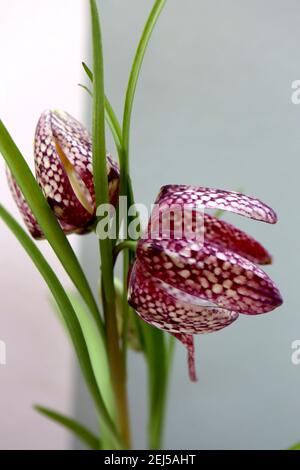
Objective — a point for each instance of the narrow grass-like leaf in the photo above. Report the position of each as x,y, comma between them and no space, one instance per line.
158,377
106,246
170,352
115,128
80,431
97,352
88,71
110,115
99,360
98,356
68,314
99,149
86,89
46,219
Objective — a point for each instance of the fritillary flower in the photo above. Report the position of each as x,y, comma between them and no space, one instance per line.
63,164
188,286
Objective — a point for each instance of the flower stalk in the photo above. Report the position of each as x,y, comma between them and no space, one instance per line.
106,249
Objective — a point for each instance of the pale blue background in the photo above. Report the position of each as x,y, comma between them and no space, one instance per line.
213,107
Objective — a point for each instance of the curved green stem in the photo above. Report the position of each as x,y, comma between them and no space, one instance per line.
126,245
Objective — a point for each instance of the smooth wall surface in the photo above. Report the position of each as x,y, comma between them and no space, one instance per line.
213,107
41,47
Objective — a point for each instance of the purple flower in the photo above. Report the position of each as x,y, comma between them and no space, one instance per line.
63,164
186,287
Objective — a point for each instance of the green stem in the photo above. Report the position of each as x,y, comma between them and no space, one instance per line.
118,375
126,245
110,115
160,366
157,373
106,252
115,128
134,75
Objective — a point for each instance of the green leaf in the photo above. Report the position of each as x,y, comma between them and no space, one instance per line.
170,352
115,128
69,317
114,125
88,71
134,75
99,360
157,361
99,150
80,431
97,352
110,116
98,356
85,88
106,245
46,219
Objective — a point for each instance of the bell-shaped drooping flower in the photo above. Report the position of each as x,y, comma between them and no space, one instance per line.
188,285
63,164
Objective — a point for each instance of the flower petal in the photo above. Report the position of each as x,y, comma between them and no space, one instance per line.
63,161
174,311
171,309
29,219
228,237
216,199
191,224
211,273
